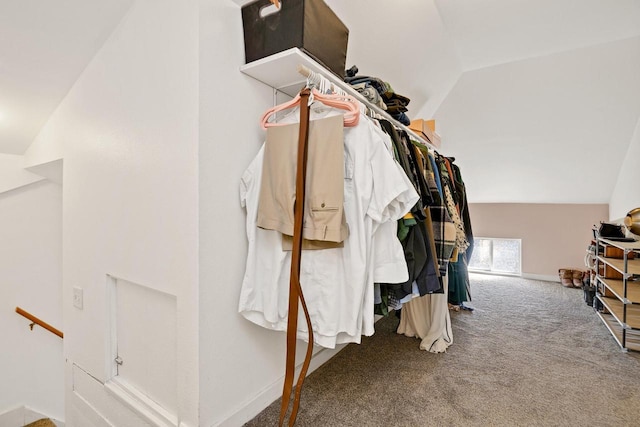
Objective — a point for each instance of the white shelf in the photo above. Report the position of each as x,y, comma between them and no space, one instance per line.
280,71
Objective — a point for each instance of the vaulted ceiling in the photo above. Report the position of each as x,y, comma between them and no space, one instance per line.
44,47
554,128
537,99
549,98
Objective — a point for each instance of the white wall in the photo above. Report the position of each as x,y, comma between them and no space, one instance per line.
626,194
12,173
408,46
138,192
553,236
31,362
238,360
242,364
128,133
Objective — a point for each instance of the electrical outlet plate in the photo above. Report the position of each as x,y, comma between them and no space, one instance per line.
77,298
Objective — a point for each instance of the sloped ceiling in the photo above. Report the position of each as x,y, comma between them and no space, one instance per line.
404,43
490,32
537,99
549,129
549,98
44,47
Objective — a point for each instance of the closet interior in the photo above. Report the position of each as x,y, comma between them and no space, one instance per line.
386,224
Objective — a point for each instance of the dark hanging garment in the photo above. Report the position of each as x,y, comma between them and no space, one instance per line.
459,287
444,232
441,226
415,254
464,211
415,238
446,164
404,160
448,188
417,168
429,280
459,284
419,263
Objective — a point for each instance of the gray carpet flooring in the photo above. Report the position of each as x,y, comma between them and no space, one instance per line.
531,354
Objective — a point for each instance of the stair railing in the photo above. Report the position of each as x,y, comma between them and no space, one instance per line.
36,321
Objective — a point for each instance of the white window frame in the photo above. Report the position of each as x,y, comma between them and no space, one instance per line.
498,272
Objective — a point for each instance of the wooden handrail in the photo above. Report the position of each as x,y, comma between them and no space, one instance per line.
37,321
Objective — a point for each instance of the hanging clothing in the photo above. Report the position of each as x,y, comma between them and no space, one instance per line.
404,213
338,282
455,198
402,155
389,263
428,318
461,239
436,171
464,209
324,217
459,285
417,238
444,230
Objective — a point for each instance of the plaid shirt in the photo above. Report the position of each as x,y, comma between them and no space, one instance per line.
444,231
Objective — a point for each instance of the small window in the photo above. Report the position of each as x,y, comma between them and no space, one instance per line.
492,255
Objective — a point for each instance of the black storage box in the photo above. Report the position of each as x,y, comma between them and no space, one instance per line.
306,24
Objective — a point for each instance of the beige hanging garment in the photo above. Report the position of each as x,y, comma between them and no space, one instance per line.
428,318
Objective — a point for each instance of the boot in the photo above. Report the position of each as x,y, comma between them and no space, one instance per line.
577,278
566,277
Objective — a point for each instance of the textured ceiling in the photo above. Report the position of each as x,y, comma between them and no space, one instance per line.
44,47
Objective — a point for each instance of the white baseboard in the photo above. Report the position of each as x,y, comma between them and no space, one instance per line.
493,273
23,415
543,277
109,403
270,394
140,403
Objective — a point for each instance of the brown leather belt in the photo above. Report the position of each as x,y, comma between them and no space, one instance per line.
295,291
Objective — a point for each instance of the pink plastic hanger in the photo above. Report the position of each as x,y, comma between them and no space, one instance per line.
343,102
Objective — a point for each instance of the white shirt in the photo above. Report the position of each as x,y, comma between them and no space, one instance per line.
335,282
